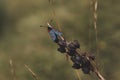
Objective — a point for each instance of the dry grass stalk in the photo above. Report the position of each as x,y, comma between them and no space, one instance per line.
94,5
99,75
32,73
96,70
78,76
95,9
12,69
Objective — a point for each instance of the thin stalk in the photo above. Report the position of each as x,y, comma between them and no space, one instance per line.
32,73
12,69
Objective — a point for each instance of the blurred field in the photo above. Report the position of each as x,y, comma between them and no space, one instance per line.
23,41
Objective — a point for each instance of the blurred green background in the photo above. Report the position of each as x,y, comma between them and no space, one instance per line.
23,41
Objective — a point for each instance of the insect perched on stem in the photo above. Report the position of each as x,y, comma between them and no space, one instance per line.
81,60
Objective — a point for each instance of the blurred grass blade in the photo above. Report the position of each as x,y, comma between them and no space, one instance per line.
32,73
12,69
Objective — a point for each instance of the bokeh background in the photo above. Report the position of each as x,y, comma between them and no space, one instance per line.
23,41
